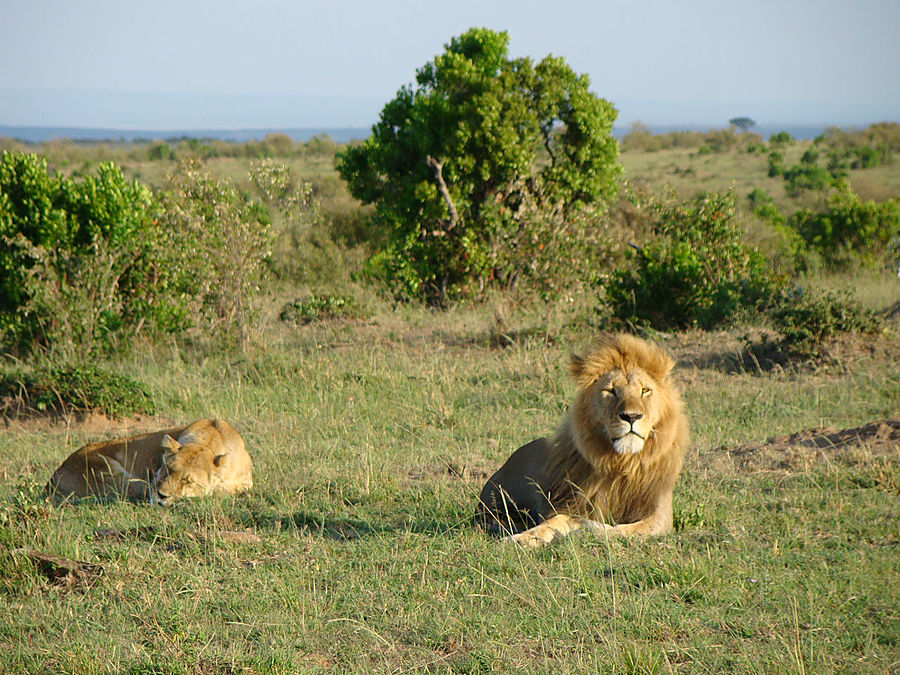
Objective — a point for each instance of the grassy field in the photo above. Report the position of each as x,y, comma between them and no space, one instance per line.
371,436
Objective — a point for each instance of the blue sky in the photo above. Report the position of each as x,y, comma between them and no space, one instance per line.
201,64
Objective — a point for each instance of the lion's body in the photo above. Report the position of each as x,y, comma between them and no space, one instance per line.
613,464
205,457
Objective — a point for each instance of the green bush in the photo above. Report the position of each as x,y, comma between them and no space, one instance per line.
837,165
223,243
448,160
81,263
849,229
867,157
807,175
764,207
316,307
780,139
73,389
805,320
776,163
696,272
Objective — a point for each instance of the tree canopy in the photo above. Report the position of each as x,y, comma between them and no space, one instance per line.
742,123
455,159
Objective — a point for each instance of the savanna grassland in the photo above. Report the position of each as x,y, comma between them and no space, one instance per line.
372,430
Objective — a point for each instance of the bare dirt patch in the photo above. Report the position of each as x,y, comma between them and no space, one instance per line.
93,423
812,446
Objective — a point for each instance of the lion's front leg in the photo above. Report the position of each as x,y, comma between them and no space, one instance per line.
562,525
555,528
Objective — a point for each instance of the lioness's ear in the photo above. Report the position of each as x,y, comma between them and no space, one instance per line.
220,460
170,444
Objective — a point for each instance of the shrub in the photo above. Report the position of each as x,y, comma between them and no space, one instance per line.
764,207
698,271
850,229
223,243
807,175
800,178
780,139
837,165
81,263
451,154
547,250
160,151
878,135
280,188
73,389
805,320
316,307
776,163
867,157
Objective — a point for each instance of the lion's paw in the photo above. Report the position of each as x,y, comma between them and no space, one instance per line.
530,538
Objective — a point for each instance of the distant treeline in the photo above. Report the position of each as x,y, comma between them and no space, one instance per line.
63,151
641,137
884,136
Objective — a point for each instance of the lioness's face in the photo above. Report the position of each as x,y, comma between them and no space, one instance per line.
186,471
627,408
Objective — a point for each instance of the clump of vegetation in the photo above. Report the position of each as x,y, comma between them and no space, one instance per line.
850,229
764,207
224,242
697,271
780,140
81,263
880,133
639,137
861,149
807,175
73,389
805,320
316,307
453,158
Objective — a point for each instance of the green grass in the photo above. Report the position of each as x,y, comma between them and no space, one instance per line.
371,438
369,451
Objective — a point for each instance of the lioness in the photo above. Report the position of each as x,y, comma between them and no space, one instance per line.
207,457
612,465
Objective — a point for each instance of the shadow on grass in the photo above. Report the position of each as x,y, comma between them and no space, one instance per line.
348,528
756,358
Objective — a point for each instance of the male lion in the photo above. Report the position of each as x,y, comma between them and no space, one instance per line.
612,465
207,457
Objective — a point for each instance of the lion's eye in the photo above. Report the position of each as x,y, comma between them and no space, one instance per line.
610,391
646,392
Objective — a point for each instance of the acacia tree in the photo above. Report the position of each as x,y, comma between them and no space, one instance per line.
454,157
742,123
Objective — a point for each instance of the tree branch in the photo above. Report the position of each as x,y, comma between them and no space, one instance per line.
438,167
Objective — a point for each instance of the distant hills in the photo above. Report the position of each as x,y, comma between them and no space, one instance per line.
42,134
36,134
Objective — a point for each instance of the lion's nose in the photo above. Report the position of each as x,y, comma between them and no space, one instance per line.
631,418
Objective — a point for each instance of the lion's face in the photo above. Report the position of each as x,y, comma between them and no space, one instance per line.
623,394
189,470
626,408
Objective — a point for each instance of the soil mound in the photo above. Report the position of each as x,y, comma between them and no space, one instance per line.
802,449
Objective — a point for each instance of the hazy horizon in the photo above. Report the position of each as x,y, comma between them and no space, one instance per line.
158,112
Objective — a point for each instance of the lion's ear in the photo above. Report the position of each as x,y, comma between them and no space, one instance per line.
576,366
170,444
220,460
663,367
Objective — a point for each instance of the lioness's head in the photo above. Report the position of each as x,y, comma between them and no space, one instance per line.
189,470
623,391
